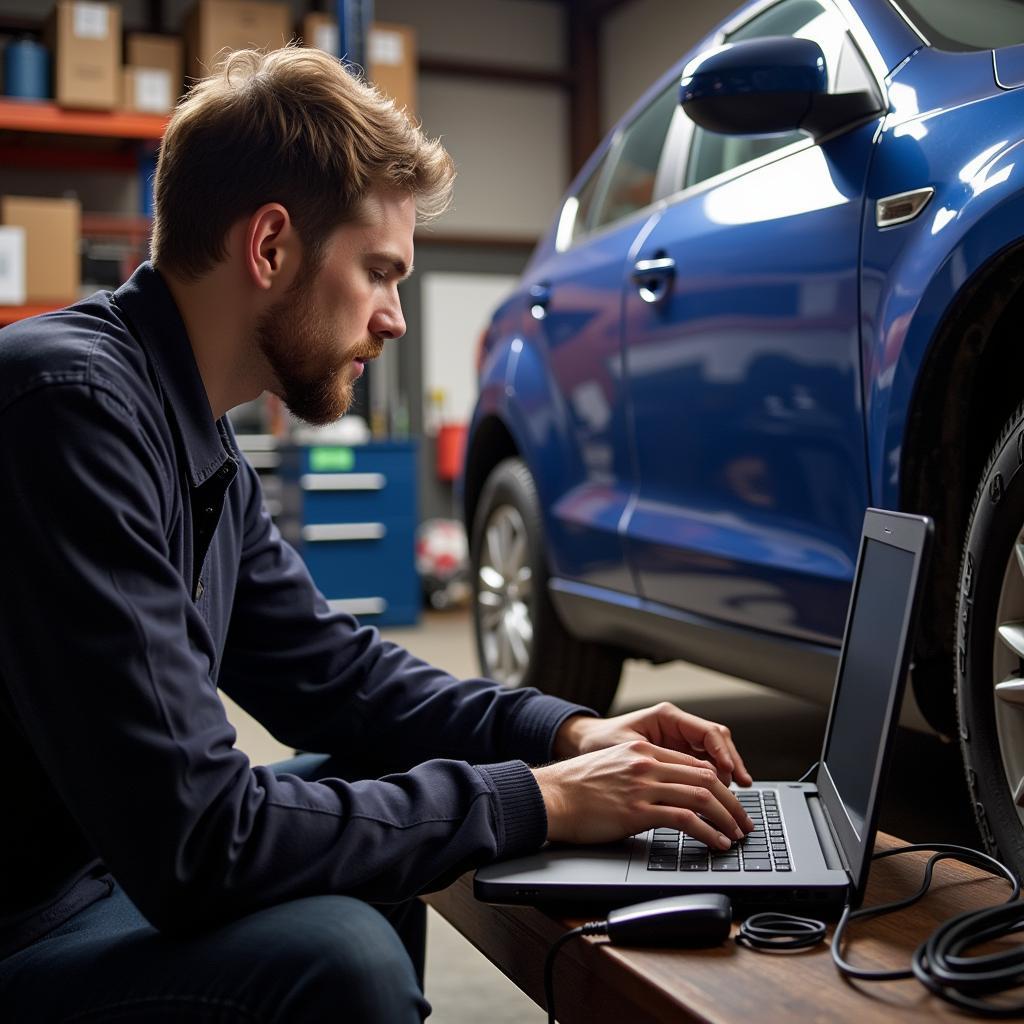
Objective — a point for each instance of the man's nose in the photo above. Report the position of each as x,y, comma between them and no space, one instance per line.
388,322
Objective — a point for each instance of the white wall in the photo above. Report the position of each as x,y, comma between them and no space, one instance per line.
456,309
520,33
509,143
509,140
642,39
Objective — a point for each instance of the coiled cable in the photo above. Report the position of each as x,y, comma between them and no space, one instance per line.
941,962
780,931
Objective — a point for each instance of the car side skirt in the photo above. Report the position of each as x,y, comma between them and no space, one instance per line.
655,631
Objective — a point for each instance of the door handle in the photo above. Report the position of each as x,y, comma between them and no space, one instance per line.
654,277
540,296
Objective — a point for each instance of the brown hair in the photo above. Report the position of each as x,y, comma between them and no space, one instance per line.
291,126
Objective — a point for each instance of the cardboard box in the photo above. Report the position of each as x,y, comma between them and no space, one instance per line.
12,266
216,25
320,32
52,239
148,91
145,50
390,58
391,62
85,39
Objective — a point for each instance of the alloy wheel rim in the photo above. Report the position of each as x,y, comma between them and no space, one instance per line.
504,596
1008,673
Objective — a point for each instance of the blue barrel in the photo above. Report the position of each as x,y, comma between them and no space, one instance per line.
27,70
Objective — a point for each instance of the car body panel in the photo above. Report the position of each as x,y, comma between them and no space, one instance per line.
752,368
577,345
912,273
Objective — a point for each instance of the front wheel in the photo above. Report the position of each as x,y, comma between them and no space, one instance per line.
990,648
520,639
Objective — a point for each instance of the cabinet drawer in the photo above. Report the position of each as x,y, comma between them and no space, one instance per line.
330,497
366,566
396,462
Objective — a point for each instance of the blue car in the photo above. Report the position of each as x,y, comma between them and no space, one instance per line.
788,285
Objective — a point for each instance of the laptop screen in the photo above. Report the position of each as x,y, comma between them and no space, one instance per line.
872,668
865,687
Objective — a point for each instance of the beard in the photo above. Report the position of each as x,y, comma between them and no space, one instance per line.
304,354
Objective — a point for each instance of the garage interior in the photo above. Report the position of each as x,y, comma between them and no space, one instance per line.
520,92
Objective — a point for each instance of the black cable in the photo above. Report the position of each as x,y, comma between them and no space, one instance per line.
940,963
591,928
687,919
780,931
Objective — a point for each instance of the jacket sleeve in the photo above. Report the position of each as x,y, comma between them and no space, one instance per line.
125,719
320,682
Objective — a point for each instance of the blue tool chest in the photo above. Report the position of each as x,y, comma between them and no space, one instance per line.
354,520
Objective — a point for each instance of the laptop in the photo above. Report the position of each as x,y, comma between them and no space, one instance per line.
813,842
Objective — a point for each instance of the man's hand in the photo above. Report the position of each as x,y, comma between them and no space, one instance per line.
663,725
623,789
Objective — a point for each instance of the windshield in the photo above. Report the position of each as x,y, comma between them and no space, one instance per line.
967,24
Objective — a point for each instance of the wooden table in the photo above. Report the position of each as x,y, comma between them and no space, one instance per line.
596,982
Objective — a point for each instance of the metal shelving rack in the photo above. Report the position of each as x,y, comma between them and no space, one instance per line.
43,135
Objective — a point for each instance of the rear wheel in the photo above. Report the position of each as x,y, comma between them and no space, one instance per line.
990,648
520,639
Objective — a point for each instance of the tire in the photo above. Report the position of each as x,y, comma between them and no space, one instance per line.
520,640
990,660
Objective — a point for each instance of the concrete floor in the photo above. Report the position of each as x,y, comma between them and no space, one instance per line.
778,736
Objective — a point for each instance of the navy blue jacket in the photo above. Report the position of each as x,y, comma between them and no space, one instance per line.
141,572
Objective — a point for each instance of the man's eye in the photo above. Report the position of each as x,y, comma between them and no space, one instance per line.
378,276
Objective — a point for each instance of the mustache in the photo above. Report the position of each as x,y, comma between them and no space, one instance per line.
370,349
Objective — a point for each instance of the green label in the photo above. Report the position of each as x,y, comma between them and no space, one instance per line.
331,460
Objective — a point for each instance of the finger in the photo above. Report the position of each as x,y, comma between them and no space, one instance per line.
700,800
676,766
680,729
688,821
718,742
741,774
703,774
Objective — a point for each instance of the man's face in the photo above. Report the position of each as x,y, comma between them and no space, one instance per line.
317,339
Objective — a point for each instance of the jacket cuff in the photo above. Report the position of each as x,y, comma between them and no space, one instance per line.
521,820
536,723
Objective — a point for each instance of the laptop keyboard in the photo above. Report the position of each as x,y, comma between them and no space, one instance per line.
765,849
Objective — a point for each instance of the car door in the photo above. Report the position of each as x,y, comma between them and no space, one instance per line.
742,351
575,320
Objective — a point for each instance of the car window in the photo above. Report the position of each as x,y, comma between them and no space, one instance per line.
576,214
630,186
711,153
978,25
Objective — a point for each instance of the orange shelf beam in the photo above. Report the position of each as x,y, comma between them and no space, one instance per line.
116,225
11,314
49,119
69,156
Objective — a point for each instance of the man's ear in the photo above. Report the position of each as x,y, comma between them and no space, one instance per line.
271,247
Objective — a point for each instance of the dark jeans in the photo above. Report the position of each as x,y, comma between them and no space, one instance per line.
319,959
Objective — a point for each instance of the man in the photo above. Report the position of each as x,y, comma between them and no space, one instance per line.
149,871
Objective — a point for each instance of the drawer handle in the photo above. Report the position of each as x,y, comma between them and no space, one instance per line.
343,531
263,460
359,605
342,481
256,442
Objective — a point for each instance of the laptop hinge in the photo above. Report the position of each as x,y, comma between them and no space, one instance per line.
830,848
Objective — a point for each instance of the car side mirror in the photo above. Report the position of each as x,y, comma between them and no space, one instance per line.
769,86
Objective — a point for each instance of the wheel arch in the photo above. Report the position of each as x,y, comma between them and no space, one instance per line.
967,385
492,442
